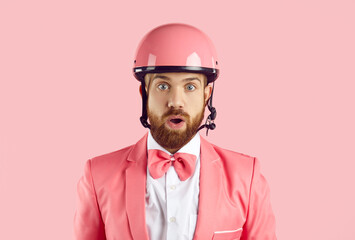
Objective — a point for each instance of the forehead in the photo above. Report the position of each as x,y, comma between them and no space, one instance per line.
176,77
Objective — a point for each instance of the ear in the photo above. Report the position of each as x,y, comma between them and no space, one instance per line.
140,90
207,93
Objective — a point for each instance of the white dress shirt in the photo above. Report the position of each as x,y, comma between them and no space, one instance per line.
170,204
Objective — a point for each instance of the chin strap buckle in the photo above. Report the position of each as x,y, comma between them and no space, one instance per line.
209,125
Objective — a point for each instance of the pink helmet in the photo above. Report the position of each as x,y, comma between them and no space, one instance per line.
176,47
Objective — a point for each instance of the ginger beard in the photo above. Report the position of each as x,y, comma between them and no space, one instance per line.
170,138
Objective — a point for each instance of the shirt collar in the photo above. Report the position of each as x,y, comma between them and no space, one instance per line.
192,147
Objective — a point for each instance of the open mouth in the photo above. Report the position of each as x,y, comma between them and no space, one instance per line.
175,122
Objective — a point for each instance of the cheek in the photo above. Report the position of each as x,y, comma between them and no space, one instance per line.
197,103
156,102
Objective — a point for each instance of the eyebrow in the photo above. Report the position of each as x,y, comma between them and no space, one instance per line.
168,79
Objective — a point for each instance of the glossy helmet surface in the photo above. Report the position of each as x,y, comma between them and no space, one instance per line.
176,47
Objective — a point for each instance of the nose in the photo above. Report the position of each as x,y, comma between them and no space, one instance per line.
176,98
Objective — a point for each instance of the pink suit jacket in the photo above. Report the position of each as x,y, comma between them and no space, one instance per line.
234,200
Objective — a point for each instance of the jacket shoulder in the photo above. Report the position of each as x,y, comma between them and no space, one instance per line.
112,156
110,163
236,164
230,155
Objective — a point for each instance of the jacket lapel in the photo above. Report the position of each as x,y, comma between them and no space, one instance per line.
136,176
210,184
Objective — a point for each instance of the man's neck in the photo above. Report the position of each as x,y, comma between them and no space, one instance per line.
172,150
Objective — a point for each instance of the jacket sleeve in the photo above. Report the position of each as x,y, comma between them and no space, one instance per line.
260,222
88,224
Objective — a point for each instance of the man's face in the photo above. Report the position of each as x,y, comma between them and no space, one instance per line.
176,104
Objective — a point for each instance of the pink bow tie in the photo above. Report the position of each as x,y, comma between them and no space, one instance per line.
159,163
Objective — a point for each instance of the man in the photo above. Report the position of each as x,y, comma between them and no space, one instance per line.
174,184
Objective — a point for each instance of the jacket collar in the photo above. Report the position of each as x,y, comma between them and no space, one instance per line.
136,177
210,185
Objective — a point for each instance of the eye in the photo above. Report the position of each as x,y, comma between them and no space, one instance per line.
190,87
163,86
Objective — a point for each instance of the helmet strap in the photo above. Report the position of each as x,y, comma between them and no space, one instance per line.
144,117
209,124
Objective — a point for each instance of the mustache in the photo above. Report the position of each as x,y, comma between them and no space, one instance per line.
176,112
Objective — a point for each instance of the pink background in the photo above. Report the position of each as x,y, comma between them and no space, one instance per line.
285,95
